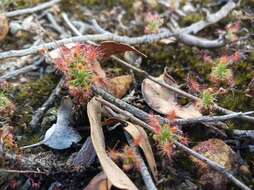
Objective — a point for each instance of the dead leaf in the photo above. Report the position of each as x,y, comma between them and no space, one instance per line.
109,48
99,182
4,27
164,101
119,86
136,131
60,135
115,175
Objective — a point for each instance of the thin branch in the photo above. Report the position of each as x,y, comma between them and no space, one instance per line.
211,118
32,9
143,169
93,37
192,40
55,25
132,112
21,71
41,111
20,171
70,25
244,133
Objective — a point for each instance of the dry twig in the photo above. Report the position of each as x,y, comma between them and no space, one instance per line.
32,9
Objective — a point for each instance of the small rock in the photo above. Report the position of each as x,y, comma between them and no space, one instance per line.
120,85
245,170
219,152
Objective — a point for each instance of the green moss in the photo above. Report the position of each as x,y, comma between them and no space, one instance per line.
191,18
26,3
70,4
180,60
19,4
30,96
30,139
234,101
3,99
34,93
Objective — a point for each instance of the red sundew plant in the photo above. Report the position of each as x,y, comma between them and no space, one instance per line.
165,136
7,138
221,73
231,31
193,85
127,156
78,64
154,22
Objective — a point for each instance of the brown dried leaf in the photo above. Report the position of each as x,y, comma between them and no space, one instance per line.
99,182
137,132
164,101
119,86
115,175
4,27
109,48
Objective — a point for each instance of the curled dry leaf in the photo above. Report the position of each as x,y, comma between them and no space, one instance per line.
164,101
106,49
139,133
60,135
109,48
115,175
99,182
119,86
4,27
219,152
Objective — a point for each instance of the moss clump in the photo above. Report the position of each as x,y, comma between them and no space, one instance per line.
6,106
127,4
19,4
25,3
191,18
34,93
30,96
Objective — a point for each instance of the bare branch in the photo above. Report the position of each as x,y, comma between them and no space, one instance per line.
20,171
21,71
93,37
31,9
